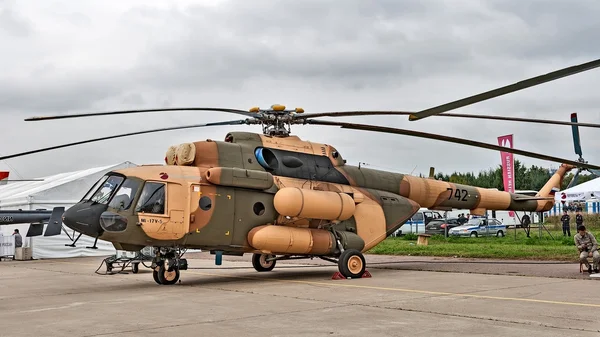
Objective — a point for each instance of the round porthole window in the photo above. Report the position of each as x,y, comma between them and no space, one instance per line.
205,203
259,208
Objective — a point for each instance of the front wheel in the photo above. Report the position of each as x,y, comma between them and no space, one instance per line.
352,263
167,277
474,234
260,263
500,234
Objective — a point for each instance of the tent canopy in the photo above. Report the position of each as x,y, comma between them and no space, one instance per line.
64,189
585,191
68,187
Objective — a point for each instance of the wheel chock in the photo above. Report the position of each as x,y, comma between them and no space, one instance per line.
339,276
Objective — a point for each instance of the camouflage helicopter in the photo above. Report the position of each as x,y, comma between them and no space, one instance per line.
279,197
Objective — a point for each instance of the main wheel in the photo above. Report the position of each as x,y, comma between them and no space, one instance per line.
135,267
168,277
155,276
260,263
352,263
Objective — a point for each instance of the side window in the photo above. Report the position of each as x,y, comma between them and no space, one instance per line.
417,217
152,199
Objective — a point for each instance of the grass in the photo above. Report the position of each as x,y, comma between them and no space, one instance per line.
521,247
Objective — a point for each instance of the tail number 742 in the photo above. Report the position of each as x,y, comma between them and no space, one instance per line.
458,194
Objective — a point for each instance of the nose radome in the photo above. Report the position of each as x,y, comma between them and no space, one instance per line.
84,218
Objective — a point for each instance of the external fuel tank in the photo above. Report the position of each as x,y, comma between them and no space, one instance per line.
313,204
292,240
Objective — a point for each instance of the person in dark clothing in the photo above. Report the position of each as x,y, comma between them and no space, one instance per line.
579,218
565,219
18,239
525,222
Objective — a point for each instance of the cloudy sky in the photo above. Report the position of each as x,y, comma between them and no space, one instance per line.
74,56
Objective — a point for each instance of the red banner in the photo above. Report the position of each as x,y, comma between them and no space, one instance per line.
508,166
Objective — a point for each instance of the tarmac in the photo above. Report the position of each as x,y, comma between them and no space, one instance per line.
405,296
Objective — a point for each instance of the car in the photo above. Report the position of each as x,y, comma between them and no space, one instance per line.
479,227
439,226
416,224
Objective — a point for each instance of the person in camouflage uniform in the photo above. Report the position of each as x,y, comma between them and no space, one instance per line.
586,243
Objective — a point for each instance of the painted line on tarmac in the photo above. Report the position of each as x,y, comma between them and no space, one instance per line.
403,290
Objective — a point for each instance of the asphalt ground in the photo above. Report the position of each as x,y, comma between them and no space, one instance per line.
405,296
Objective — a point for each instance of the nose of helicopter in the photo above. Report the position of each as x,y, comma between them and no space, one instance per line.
84,218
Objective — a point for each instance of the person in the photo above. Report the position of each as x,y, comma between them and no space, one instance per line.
18,239
586,243
525,221
565,219
579,218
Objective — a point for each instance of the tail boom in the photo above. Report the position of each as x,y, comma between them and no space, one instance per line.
437,194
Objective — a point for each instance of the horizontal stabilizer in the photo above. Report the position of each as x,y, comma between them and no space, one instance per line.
55,222
35,229
441,208
532,198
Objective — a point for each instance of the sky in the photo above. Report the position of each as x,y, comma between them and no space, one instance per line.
62,57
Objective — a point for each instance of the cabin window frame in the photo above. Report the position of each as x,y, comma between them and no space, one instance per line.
165,196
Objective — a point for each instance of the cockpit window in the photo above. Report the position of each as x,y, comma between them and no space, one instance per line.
99,183
152,199
125,194
105,191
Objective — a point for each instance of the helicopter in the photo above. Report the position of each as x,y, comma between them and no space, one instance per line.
279,197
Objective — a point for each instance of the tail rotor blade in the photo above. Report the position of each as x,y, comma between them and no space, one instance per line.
576,139
574,180
594,172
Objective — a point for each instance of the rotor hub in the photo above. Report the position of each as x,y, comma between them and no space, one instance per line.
275,121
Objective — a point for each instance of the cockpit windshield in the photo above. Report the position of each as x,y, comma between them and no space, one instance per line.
99,183
104,189
125,194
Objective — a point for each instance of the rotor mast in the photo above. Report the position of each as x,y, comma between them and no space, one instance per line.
276,121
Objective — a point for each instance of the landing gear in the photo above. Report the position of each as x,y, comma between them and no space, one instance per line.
263,262
166,266
166,275
352,263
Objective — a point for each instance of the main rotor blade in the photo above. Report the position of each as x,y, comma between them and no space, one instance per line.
506,89
451,140
236,122
502,118
123,112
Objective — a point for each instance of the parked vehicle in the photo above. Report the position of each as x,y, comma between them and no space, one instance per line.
417,223
479,227
439,226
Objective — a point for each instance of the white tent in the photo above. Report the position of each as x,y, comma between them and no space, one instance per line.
585,194
65,190
588,191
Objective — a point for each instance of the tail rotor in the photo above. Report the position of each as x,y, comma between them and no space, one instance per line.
579,152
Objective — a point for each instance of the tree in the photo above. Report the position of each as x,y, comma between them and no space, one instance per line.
526,178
